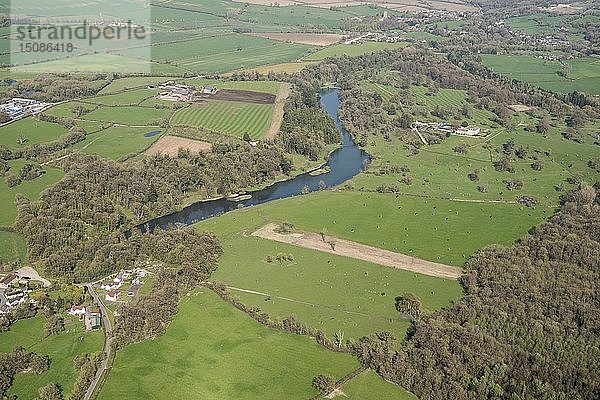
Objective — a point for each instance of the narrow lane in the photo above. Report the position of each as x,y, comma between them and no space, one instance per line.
107,343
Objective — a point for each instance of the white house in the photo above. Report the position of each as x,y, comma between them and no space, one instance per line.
78,311
111,295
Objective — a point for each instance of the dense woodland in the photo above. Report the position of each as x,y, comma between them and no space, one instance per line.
191,255
55,88
98,199
527,328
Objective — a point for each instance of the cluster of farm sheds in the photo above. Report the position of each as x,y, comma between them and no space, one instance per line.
17,107
13,292
171,91
445,127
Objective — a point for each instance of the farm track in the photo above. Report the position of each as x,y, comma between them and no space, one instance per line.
306,303
359,251
282,96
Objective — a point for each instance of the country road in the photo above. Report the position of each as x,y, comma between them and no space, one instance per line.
107,342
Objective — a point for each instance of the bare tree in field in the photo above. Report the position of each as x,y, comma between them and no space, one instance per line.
323,232
332,244
339,338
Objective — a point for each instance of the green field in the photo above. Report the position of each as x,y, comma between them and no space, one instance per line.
434,229
100,62
452,99
437,171
133,82
128,115
213,351
34,130
324,291
544,23
584,73
229,117
127,98
30,189
117,142
62,348
219,53
12,247
67,109
370,386
438,230
351,50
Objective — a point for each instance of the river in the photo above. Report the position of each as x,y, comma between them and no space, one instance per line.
344,163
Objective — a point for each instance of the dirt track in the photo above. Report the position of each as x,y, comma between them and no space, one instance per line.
360,251
282,96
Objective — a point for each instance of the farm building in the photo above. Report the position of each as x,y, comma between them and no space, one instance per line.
208,89
470,130
8,280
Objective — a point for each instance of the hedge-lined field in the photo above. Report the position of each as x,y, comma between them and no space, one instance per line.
220,53
34,131
62,348
117,142
352,50
583,74
211,350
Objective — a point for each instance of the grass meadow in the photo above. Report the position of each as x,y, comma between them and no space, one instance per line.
131,97
370,386
62,348
34,130
229,117
351,50
136,82
584,73
437,171
211,350
219,53
12,247
332,292
117,142
128,115
30,189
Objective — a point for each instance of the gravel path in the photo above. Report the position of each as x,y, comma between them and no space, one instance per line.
360,251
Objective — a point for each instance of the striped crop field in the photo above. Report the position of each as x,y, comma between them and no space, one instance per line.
229,117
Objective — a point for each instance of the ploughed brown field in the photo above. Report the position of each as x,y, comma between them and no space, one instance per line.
245,96
170,145
314,39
